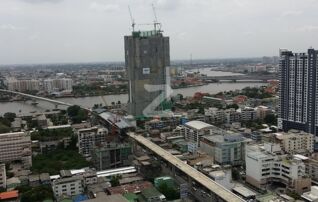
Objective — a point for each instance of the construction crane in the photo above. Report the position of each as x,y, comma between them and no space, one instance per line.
132,19
156,24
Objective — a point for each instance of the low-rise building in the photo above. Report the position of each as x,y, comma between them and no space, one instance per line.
296,142
248,114
264,167
225,149
194,130
69,186
232,115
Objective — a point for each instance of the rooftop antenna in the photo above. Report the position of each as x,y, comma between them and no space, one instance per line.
132,19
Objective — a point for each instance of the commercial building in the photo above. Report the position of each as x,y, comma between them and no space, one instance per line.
225,149
90,138
112,155
194,130
298,91
16,147
3,176
264,167
147,55
296,142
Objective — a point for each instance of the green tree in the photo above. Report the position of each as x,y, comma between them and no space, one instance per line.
4,128
35,194
10,116
115,180
235,106
270,119
169,192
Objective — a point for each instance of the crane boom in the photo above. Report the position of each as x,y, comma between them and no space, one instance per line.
132,19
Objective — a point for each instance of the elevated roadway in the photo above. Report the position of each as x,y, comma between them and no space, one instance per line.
56,102
217,189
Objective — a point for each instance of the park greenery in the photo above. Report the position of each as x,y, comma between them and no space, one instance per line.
76,114
60,159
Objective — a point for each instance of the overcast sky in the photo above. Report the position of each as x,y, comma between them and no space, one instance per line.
41,31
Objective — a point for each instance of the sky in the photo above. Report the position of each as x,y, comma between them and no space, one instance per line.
54,31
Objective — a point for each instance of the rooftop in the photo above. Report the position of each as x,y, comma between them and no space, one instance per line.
198,125
9,195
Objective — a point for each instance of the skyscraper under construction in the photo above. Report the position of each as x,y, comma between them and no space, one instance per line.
147,55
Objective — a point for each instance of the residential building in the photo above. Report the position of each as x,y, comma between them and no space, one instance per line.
147,54
112,155
215,115
296,142
90,138
297,91
194,130
57,85
225,149
16,147
232,116
3,176
22,85
264,167
248,114
262,112
69,186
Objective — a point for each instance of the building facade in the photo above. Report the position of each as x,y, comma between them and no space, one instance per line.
69,186
225,149
264,167
297,91
16,147
22,85
56,85
147,54
90,138
296,142
112,155
3,176
194,130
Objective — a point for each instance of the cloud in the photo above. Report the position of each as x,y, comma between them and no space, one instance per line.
9,27
291,13
307,28
104,7
41,1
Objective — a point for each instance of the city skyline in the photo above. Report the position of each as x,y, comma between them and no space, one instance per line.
34,31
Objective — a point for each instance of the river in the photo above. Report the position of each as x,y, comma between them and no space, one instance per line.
26,107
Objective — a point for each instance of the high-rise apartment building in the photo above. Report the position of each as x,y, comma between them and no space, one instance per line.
56,85
147,55
298,91
22,85
90,138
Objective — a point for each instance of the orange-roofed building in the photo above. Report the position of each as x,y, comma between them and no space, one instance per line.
10,196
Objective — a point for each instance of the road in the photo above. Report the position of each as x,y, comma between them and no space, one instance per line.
211,185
